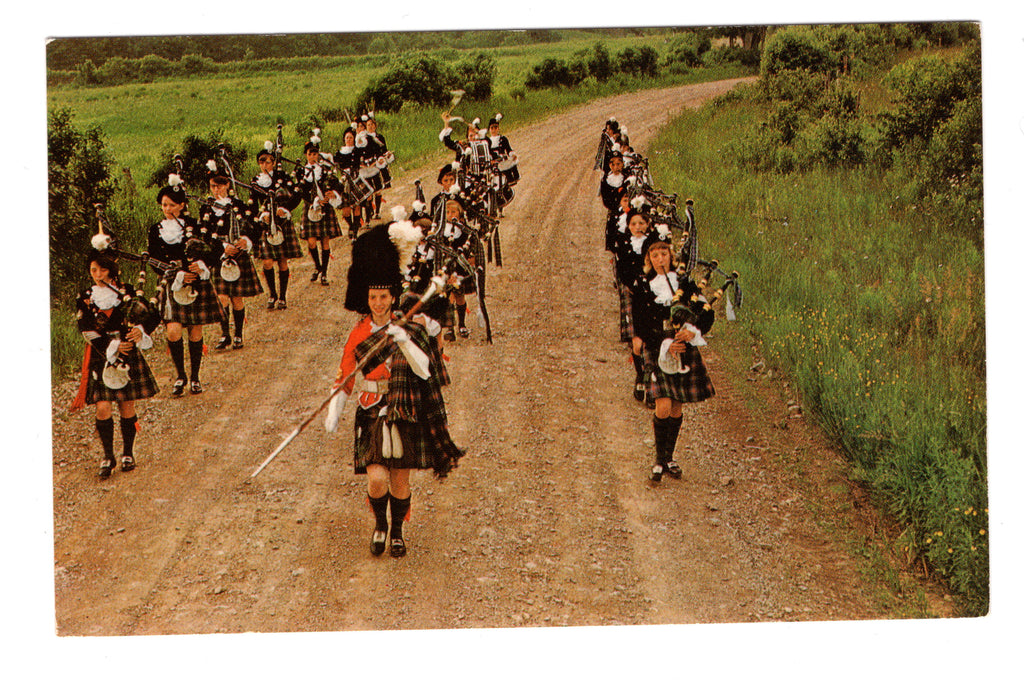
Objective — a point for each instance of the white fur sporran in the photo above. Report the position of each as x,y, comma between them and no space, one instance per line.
229,270
115,376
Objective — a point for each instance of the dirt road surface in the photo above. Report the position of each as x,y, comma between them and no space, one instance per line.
549,521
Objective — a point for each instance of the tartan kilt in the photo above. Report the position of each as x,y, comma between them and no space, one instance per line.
689,387
425,446
141,383
326,228
247,284
289,248
626,332
205,310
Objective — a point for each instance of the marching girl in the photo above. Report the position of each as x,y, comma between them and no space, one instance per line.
400,422
321,191
501,149
629,276
279,244
377,146
671,355
613,183
103,319
446,178
460,283
227,219
177,238
349,159
610,136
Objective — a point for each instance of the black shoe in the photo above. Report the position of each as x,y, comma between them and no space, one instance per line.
656,473
195,387
449,335
127,463
464,332
314,276
378,542
323,279
638,392
222,343
179,387
271,304
281,304
397,547
673,470
237,343
106,467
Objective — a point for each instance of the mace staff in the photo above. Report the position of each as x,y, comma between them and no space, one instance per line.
435,285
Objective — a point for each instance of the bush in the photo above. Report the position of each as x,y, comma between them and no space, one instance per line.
152,66
196,150
195,64
795,49
600,63
417,79
118,70
79,176
552,73
687,49
642,62
476,76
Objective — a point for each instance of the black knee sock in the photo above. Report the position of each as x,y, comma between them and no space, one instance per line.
671,434
105,428
128,430
283,274
400,508
177,349
316,257
268,275
380,511
638,365
661,428
239,316
325,257
461,310
195,358
225,325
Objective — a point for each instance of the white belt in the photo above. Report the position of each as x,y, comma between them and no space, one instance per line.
376,387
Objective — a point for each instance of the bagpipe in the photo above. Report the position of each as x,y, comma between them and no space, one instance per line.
272,195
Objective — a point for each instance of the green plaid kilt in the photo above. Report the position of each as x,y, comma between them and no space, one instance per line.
247,284
205,310
289,248
326,228
141,383
626,332
690,387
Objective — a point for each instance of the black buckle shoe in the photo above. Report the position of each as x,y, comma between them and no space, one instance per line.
179,387
315,276
673,470
127,463
656,472
106,467
638,392
449,334
271,304
195,387
222,343
397,547
237,343
464,332
378,542
323,280
281,304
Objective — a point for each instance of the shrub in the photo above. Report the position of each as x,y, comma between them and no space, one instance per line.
552,73
687,49
641,62
476,76
152,66
195,64
796,49
79,176
418,79
600,63
196,150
